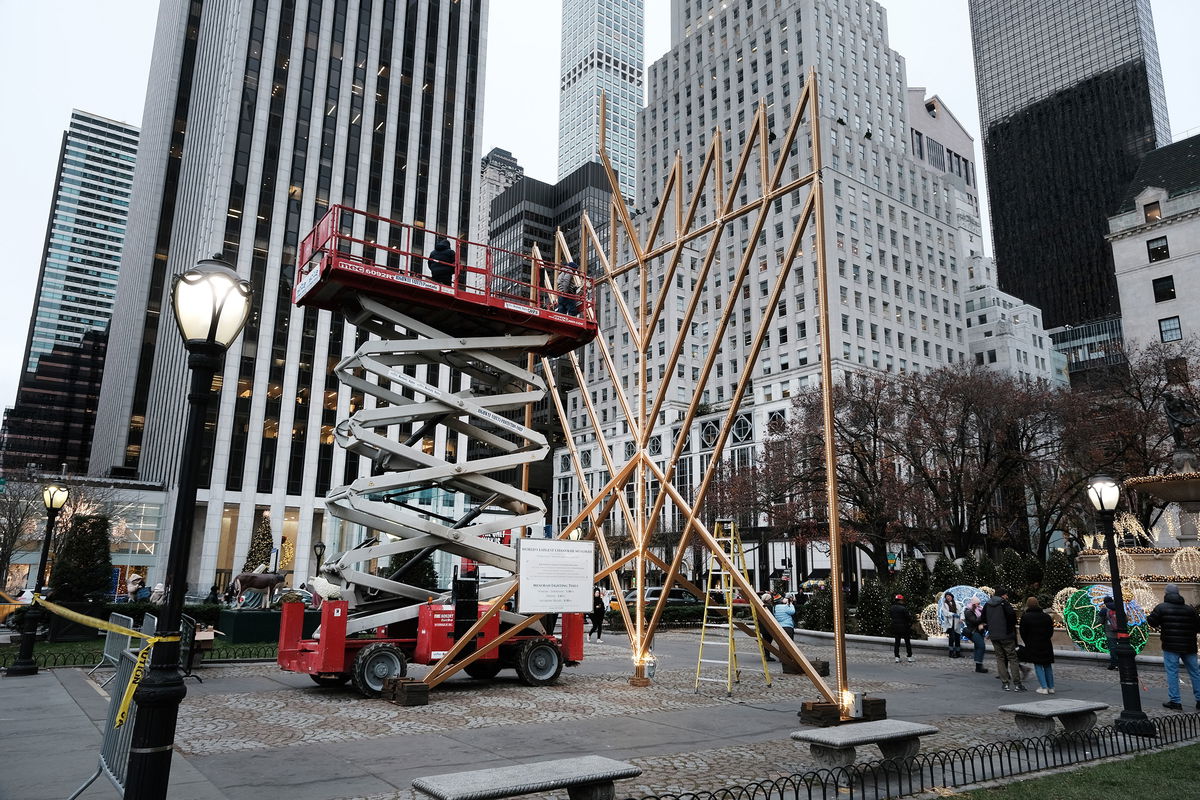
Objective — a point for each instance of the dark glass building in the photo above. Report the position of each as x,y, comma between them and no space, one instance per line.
50,427
1070,100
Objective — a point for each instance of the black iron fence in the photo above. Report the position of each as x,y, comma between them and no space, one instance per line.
89,657
925,772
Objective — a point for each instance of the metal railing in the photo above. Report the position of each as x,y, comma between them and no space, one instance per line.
114,644
114,747
925,772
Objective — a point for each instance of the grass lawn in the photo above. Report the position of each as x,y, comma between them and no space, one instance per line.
1174,773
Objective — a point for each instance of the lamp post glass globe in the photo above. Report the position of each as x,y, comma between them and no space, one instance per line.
55,497
1104,492
211,303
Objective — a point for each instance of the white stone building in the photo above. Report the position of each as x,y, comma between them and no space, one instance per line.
1006,334
1155,239
497,171
899,229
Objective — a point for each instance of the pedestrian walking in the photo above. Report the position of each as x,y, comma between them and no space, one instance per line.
569,286
785,615
953,636
441,261
901,628
1110,630
599,607
1001,619
1178,624
1037,630
974,626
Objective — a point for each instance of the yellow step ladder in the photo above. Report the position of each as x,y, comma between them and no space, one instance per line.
718,626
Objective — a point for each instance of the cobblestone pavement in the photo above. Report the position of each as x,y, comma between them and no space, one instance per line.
234,721
273,716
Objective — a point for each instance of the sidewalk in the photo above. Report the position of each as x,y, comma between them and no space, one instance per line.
50,741
252,730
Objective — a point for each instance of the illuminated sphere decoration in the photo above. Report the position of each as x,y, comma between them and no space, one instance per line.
929,621
1140,590
1186,562
1083,615
1060,599
962,595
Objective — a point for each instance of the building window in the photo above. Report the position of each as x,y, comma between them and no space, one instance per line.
1157,249
991,355
1169,330
1164,289
1152,211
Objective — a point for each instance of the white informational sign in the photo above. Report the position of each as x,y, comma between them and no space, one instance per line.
556,576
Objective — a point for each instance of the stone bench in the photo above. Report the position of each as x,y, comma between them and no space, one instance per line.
584,778
834,747
1037,718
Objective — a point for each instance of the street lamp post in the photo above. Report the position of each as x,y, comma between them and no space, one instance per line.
211,305
54,498
1104,493
319,552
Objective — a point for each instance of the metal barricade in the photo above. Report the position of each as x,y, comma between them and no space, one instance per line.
114,644
114,747
187,647
149,624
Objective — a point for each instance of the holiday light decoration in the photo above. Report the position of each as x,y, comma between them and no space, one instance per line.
1127,524
1060,600
989,591
929,621
962,595
1186,562
1125,563
1083,614
1140,591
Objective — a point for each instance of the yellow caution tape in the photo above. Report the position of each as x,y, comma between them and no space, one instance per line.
143,657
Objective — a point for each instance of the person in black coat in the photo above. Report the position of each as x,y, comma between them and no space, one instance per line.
901,628
1001,621
441,261
1036,631
597,615
1177,624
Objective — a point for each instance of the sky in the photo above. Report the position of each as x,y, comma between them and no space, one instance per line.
94,55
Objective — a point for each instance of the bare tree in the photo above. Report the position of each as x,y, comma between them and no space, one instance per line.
21,510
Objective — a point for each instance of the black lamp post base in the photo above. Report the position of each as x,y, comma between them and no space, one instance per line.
18,668
1136,723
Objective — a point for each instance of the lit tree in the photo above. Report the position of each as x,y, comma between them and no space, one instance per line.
261,545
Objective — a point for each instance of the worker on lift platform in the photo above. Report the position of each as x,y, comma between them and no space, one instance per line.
441,261
569,287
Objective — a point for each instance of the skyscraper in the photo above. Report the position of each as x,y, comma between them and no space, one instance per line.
603,50
84,235
899,226
497,171
1070,99
260,116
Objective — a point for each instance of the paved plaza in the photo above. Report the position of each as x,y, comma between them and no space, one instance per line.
250,730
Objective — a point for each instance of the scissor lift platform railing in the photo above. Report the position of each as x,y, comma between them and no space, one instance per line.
494,292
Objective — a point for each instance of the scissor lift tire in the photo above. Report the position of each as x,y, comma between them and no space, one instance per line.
374,664
539,662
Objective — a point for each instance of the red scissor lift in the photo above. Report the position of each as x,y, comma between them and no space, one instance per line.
351,257
493,290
